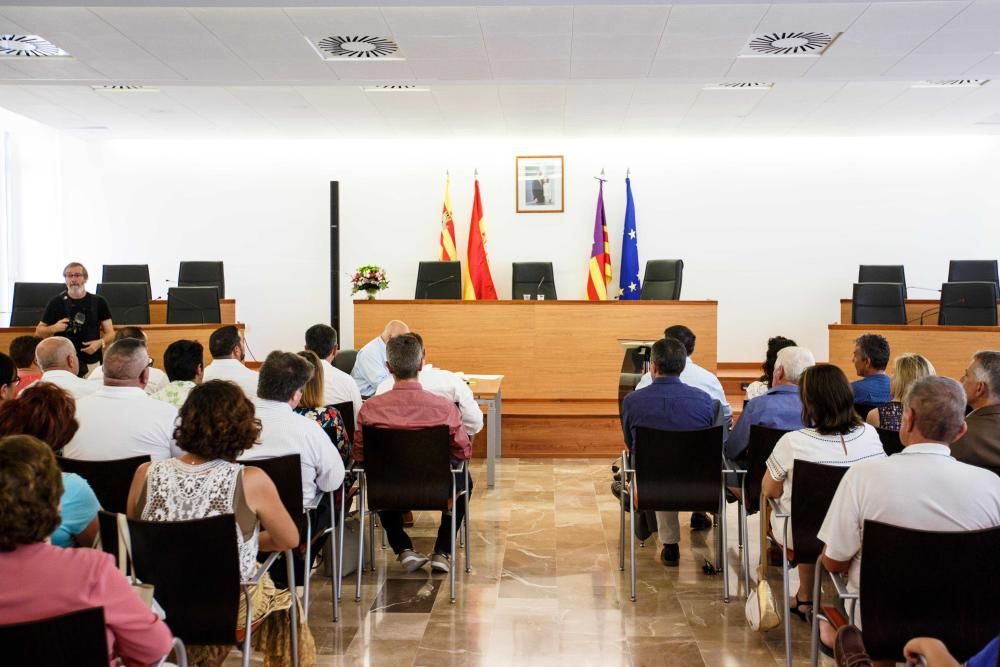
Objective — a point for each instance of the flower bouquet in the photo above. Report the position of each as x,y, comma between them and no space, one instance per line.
369,279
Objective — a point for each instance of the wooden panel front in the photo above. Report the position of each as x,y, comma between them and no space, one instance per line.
948,348
917,311
551,350
158,311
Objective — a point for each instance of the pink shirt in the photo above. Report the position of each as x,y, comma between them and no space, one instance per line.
407,406
39,581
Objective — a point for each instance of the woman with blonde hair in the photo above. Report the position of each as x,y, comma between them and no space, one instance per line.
327,416
907,369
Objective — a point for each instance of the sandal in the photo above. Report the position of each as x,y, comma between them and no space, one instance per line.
797,609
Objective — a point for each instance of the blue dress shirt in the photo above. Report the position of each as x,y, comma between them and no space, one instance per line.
872,389
369,366
668,405
779,408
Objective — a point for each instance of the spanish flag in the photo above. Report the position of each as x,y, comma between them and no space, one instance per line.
478,282
599,272
448,250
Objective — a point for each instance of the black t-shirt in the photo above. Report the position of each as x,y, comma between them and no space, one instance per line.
85,316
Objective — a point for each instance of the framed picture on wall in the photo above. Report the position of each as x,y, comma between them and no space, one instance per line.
539,181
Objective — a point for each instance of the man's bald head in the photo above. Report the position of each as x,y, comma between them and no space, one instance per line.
125,363
394,328
56,354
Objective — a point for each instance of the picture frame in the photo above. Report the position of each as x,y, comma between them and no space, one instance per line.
539,183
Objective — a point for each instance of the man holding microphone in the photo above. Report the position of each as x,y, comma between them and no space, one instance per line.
83,318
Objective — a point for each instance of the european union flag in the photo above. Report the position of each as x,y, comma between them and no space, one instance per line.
629,284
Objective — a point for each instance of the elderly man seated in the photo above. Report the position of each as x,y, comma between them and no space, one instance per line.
980,446
60,365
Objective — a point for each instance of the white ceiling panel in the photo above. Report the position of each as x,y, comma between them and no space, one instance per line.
656,111
54,68
893,28
609,69
708,19
436,48
598,93
980,15
392,70
219,107
8,25
451,69
654,93
860,67
326,21
691,45
542,69
432,20
626,20
589,46
526,20
769,69
707,70
924,66
821,16
987,68
529,99
512,46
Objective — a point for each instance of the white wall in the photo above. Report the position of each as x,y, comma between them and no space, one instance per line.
772,228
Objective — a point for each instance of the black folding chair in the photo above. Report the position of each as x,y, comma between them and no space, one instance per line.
110,480
345,360
69,640
890,441
346,411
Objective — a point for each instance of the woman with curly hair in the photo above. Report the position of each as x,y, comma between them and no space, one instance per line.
216,424
39,580
49,413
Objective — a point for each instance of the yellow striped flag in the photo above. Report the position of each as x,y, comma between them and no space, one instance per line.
599,267
448,251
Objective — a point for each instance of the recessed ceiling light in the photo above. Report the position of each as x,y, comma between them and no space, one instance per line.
953,83
28,46
788,44
739,85
125,89
396,88
356,48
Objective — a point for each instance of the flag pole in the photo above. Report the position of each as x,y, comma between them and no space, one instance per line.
601,177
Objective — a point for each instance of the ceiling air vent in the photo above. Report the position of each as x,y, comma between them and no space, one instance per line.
739,85
954,83
798,44
357,47
396,88
125,89
28,46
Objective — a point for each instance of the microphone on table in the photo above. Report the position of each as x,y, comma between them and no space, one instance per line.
936,309
538,287
926,289
427,288
171,282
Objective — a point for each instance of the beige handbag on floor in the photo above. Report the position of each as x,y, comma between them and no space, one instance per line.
762,614
125,564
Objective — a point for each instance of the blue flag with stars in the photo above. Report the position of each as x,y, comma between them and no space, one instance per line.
629,284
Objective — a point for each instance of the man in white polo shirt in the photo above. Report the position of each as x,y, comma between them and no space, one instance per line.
157,378
60,365
119,420
338,386
228,352
923,487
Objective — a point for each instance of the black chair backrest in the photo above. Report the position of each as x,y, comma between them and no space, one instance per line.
890,441
439,280
918,583
878,303
193,305
129,302
128,273
864,408
813,486
202,274
195,568
110,480
286,473
974,270
662,279
407,470
69,640
761,444
883,273
346,410
532,278
30,299
345,360
971,304
678,470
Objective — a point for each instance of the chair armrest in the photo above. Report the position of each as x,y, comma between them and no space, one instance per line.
176,646
840,585
774,509
461,468
264,567
627,462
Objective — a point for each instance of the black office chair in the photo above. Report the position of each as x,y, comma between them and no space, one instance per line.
878,303
662,279
890,441
110,480
345,360
129,302
972,304
883,273
533,279
974,271
439,280
202,274
30,299
346,410
128,273
193,305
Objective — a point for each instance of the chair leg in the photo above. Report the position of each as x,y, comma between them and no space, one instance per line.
724,542
294,615
306,570
371,541
785,613
468,542
361,545
247,650
814,631
631,542
340,547
454,529
744,522
621,530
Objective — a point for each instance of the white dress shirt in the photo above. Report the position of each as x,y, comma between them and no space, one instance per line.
369,366
451,386
122,422
157,379
75,386
284,432
694,375
234,371
339,387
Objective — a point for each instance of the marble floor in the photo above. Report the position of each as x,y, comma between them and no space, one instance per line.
545,589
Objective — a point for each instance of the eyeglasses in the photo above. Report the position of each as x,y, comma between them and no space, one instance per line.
73,275
150,362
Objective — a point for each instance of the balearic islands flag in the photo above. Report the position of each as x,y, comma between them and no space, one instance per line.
629,284
448,251
599,270
478,282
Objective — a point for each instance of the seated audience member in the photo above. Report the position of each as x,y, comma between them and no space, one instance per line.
408,406
849,651
338,386
9,378
780,407
369,366
216,426
40,580
329,419
184,361
48,413
447,384
60,365
120,421
871,356
907,369
834,435
980,446
668,404
22,351
760,386
923,487
157,378
228,351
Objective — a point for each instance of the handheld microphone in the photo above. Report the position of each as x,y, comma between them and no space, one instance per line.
427,288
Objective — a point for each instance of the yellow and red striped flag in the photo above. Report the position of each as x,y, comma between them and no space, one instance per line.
599,268
448,250
478,282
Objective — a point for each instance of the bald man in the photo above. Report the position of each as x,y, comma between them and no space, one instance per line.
369,366
60,365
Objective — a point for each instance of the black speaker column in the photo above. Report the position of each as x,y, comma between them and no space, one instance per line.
335,257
